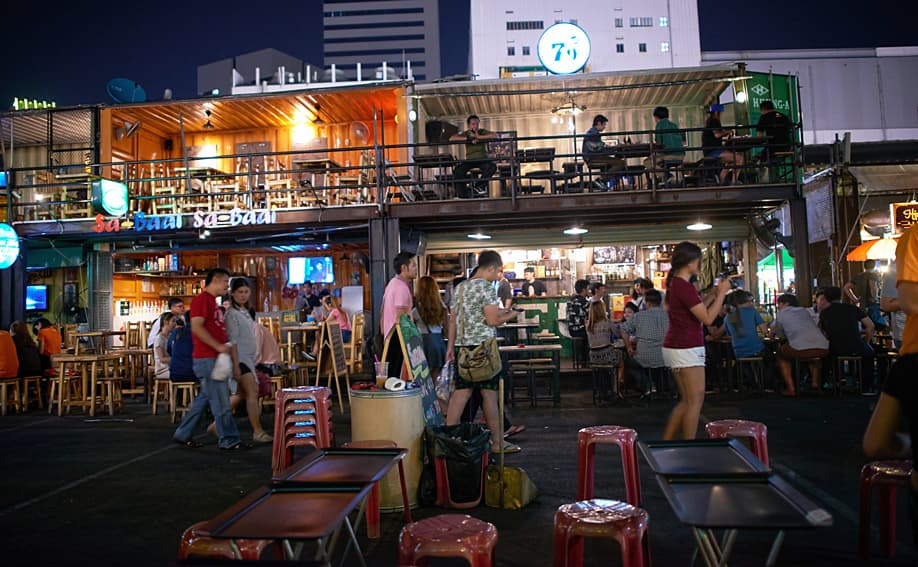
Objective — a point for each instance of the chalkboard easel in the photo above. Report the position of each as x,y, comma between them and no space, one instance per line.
334,341
415,367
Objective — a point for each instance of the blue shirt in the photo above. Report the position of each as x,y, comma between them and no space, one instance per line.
180,347
746,340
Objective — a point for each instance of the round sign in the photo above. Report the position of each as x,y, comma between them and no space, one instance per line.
564,48
9,246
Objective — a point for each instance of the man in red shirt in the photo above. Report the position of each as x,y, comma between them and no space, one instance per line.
209,338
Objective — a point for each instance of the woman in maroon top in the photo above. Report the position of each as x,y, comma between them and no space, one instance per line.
683,346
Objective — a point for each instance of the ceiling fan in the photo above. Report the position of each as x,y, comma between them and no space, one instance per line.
126,131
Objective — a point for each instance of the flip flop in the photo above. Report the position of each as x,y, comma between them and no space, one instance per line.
191,444
514,430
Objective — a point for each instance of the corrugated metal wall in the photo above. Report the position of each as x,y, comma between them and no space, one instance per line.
101,271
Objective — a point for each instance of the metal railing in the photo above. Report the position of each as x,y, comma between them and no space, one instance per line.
523,167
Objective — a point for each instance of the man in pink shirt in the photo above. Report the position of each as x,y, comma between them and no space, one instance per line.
397,298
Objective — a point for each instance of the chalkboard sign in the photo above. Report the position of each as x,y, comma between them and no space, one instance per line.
338,363
418,370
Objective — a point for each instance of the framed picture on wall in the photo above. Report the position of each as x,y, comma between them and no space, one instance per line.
614,254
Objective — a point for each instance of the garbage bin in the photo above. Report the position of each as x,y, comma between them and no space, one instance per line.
396,416
460,449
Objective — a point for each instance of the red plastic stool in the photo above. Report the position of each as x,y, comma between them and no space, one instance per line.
626,439
448,535
611,519
742,428
444,498
198,543
372,512
886,475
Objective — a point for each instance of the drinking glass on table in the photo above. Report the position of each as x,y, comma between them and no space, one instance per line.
382,373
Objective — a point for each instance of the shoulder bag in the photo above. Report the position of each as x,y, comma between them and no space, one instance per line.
479,363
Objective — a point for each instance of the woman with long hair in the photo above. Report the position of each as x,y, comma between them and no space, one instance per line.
161,356
240,330
430,315
683,346
26,350
332,311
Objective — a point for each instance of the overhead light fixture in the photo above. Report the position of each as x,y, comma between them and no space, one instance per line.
699,226
318,119
741,97
479,236
575,231
208,125
568,108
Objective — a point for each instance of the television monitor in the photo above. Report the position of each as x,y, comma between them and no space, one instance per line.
318,269
36,298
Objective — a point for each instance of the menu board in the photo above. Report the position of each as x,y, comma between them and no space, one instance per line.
418,370
335,342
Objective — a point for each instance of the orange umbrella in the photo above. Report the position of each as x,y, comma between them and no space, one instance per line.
879,249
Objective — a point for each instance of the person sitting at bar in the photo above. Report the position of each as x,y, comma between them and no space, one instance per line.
180,347
26,350
9,361
744,323
176,307
596,153
643,335
476,157
712,143
532,287
160,342
864,291
49,342
777,127
804,341
667,134
842,324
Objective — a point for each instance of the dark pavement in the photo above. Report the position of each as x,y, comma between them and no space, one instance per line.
117,491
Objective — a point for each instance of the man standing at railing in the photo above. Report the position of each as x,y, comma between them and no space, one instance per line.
476,157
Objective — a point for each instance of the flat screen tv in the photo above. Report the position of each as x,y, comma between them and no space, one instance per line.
317,269
36,298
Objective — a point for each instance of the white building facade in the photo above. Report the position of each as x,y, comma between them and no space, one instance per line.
871,93
382,31
624,34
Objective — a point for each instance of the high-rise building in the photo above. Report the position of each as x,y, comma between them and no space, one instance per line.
624,34
371,32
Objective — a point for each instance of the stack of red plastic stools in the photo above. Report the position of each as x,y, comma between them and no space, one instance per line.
197,543
302,417
886,476
626,439
742,428
611,519
448,535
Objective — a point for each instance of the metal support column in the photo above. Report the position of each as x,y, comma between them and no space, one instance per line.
384,246
12,290
803,278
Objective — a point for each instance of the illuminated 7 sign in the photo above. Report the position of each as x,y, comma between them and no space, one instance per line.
564,48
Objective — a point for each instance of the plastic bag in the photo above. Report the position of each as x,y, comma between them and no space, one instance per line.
223,368
444,385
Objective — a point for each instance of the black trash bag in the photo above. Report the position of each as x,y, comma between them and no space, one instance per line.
462,446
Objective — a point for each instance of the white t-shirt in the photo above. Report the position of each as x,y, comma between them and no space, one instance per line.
161,368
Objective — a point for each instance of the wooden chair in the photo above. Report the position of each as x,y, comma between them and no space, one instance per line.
166,201
225,202
75,208
9,386
27,383
354,349
70,340
133,335
279,194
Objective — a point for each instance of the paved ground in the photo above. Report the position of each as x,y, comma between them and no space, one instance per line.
116,491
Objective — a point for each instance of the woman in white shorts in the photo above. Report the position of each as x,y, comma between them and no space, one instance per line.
683,346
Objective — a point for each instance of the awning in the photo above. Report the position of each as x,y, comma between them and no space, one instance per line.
695,86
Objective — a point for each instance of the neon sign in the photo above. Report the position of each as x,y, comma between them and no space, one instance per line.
564,48
26,104
142,222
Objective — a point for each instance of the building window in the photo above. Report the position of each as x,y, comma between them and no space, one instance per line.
642,47
664,21
619,47
619,22
525,50
640,22
525,25
511,50
664,46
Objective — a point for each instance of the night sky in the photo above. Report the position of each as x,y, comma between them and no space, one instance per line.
67,53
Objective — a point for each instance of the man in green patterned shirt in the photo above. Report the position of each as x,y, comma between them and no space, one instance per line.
474,312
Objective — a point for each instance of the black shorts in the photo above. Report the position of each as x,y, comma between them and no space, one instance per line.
243,369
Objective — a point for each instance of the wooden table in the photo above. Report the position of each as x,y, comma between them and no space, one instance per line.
304,330
93,335
509,353
87,365
519,327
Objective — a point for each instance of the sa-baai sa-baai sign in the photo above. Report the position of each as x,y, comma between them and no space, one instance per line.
9,246
142,222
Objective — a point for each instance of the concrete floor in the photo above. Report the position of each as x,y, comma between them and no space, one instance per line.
117,491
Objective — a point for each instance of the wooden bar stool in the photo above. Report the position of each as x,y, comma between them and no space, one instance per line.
626,439
162,389
758,432
31,382
854,365
9,386
448,535
184,391
610,519
887,476
756,364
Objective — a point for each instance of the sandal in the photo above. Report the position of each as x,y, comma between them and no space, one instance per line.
507,448
191,443
514,430
237,447
262,437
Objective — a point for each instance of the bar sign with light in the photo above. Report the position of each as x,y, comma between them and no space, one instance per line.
904,215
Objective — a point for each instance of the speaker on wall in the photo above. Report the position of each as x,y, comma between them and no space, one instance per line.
167,145
438,131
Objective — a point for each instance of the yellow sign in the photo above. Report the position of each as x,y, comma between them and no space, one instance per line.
904,215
